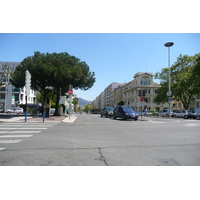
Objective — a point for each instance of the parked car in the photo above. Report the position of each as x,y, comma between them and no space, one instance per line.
164,113
1,110
107,112
151,113
184,114
15,110
198,116
125,112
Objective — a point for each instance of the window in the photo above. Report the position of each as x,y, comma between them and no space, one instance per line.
145,81
2,96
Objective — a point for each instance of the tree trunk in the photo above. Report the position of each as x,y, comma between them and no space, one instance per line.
57,101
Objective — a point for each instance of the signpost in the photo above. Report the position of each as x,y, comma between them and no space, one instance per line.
141,99
13,100
70,92
27,86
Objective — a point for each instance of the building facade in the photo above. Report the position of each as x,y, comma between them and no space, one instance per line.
11,96
141,81
128,92
109,94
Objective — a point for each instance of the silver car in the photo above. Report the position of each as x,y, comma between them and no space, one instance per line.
15,110
185,114
198,116
164,113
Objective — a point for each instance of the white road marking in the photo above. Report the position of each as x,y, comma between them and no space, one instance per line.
9,141
157,122
1,149
22,128
8,128
7,136
25,132
191,124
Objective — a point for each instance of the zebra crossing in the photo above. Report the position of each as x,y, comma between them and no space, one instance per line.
12,133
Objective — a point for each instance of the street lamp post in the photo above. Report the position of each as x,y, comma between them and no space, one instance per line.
169,93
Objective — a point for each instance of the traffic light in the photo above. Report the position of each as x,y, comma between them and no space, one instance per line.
146,100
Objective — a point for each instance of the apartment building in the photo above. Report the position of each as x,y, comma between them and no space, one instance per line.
109,94
128,92
11,96
141,81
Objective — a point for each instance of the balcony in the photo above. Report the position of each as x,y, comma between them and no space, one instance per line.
18,90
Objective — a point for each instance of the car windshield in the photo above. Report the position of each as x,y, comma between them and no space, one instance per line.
128,109
110,109
192,111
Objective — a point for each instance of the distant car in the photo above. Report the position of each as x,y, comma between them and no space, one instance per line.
1,110
142,112
151,113
198,116
15,110
52,111
107,112
125,112
164,113
185,114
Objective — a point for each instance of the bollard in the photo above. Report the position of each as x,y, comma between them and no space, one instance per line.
43,116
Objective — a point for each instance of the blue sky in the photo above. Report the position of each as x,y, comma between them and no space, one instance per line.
114,57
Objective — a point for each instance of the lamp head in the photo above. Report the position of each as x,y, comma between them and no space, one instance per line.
169,44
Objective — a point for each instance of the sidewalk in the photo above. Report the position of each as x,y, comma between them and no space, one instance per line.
57,119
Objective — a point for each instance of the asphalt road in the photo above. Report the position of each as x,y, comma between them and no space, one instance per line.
95,141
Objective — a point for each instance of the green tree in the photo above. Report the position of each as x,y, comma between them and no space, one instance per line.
54,71
184,84
121,103
75,102
88,107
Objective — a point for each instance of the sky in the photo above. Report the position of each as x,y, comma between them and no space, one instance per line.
114,57
116,39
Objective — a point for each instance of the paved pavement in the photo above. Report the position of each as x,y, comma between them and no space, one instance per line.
58,119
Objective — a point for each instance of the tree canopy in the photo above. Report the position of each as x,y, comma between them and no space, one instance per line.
54,71
185,80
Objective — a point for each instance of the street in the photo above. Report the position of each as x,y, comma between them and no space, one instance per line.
95,141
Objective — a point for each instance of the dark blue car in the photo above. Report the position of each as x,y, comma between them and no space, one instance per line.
125,112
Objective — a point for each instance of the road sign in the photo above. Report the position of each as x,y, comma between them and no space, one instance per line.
169,93
70,91
13,99
141,98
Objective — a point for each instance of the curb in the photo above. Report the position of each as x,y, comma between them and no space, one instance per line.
69,120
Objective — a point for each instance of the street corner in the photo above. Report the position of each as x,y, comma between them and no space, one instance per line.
69,119
143,119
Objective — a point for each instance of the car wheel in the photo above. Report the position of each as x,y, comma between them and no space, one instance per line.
185,117
198,117
114,117
101,115
167,115
124,117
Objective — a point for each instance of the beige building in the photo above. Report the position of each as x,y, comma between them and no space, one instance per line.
141,81
109,95
128,92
